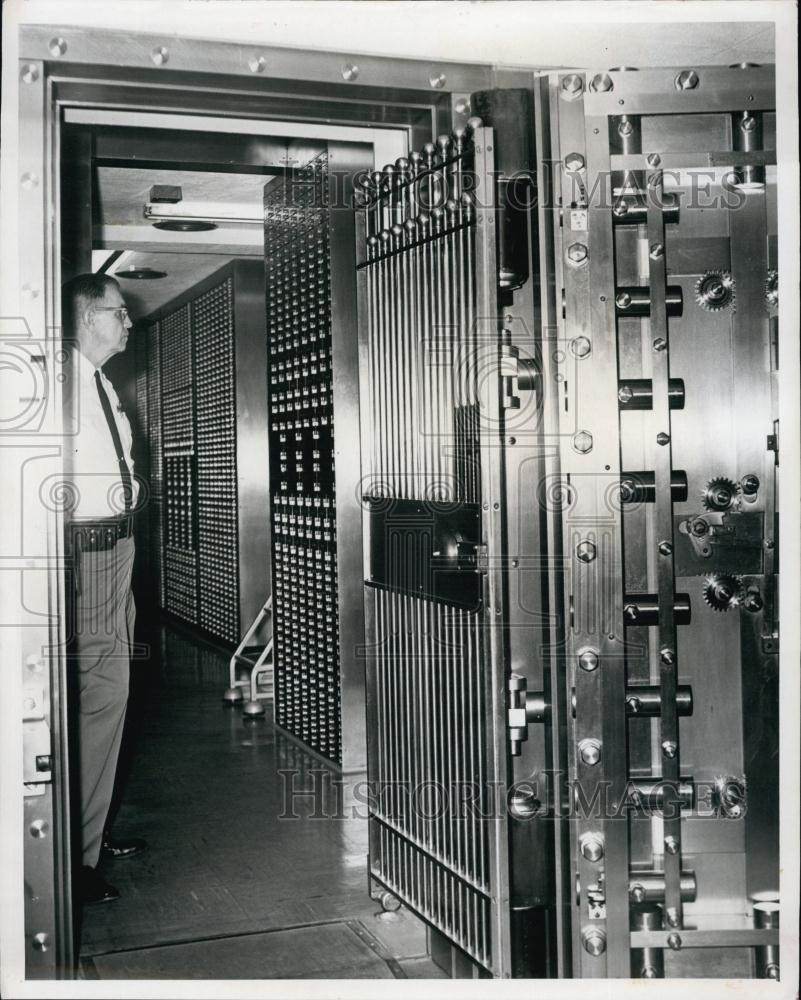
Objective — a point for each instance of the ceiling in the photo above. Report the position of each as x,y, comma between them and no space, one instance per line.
121,194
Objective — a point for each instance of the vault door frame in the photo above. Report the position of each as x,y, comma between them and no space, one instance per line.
66,66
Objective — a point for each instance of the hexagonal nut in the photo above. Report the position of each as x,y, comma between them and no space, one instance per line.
577,253
582,442
586,551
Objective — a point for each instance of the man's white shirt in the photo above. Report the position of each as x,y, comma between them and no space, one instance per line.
90,461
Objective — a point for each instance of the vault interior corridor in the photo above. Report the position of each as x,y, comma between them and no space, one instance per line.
228,888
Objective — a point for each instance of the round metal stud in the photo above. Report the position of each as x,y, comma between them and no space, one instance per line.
38,829
657,251
588,659
665,548
667,656
257,64
160,55
29,73
40,941
623,300
662,438
586,551
462,106
674,941
437,80
669,749
350,71
574,162
671,845
637,893
654,159
57,47
577,253
660,344
29,181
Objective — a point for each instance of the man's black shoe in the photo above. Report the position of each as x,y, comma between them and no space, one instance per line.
113,850
92,888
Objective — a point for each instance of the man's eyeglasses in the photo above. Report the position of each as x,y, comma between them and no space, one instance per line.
121,311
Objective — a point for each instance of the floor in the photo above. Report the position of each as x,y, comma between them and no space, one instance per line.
240,858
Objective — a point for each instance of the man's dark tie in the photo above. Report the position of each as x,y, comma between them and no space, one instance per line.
125,472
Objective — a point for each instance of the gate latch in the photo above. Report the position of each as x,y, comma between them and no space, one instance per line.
524,707
519,375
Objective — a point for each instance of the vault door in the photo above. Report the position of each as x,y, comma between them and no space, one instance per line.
432,463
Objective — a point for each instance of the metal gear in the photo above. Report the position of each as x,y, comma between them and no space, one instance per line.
772,288
720,494
723,592
714,290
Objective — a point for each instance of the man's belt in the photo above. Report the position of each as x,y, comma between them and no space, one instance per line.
101,534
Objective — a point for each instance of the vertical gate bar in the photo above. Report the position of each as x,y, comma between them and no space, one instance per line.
414,365
450,372
668,722
383,361
470,339
402,292
434,358
493,530
425,353
394,372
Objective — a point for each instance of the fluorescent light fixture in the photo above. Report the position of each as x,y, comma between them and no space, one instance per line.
207,211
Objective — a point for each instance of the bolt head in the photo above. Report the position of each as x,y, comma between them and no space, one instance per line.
625,127
590,752
588,660
625,394
750,484
30,73
671,845
637,893
582,442
577,253
594,941
586,551
623,300
657,251
574,162
668,656
592,847
634,705
669,749
601,83
160,55
665,548
57,47
687,80
662,438
674,941
580,347
572,85
748,123
660,344
350,71
654,159
753,603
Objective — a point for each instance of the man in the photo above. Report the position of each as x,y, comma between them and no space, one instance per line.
102,495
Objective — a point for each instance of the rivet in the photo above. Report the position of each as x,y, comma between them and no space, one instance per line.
462,106
662,438
57,47
590,752
160,55
667,656
653,159
29,181
671,845
674,941
686,80
38,828
582,442
437,80
30,73
580,347
633,704
350,71
574,162
623,300
626,127
669,749
657,251
588,659
748,124
660,344
586,551
30,292
665,548
257,64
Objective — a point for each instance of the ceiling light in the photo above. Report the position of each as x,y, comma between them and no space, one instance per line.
140,273
185,225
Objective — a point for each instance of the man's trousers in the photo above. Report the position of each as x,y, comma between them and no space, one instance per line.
102,641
